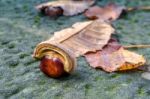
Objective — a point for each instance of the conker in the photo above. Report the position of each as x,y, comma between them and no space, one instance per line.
52,11
52,67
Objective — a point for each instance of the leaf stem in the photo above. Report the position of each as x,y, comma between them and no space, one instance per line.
138,8
137,46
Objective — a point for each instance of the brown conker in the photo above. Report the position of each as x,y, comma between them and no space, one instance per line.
52,67
52,11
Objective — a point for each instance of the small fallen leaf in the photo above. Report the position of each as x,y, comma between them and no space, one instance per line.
65,7
109,12
114,57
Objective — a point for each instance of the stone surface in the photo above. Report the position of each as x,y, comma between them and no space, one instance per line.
21,28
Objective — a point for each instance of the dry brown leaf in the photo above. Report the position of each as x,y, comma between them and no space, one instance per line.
109,12
113,57
83,37
69,7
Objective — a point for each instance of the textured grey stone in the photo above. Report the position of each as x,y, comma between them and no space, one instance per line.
21,28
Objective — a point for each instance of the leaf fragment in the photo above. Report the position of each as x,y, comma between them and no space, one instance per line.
109,12
69,7
114,57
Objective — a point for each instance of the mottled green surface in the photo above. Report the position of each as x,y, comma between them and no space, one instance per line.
21,28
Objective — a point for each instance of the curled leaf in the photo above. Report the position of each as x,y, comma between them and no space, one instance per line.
65,7
113,57
82,37
109,12
77,40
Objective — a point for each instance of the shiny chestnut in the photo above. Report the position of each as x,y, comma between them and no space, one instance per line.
52,67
